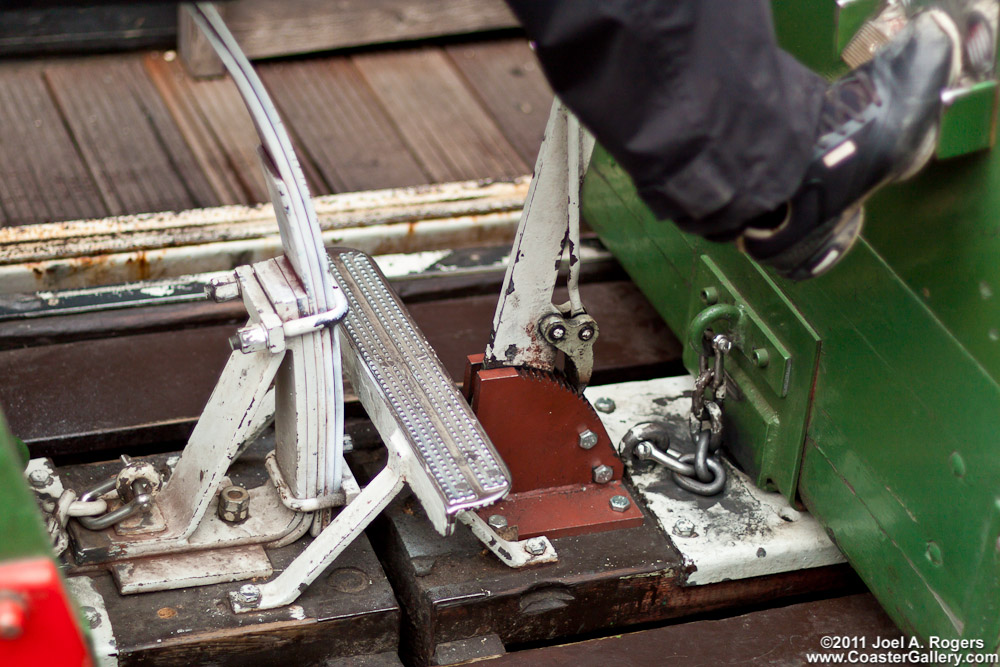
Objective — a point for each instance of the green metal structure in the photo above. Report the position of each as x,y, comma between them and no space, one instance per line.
871,394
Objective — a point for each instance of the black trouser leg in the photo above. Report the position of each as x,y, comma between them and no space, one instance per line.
713,121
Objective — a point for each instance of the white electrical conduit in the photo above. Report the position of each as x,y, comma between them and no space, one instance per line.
300,238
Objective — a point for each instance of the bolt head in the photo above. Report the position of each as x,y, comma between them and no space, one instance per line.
588,439
535,546
620,503
557,332
249,339
39,478
249,594
605,405
603,474
497,521
722,343
683,528
223,289
586,333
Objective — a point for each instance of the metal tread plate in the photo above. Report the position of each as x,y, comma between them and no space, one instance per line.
437,421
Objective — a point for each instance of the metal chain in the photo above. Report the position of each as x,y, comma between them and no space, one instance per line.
700,472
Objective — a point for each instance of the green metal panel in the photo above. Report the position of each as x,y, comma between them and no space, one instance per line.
899,458
21,525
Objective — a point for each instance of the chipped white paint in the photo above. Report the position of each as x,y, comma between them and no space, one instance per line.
297,612
202,568
764,535
91,603
405,264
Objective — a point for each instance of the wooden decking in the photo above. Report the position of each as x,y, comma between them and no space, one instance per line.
111,135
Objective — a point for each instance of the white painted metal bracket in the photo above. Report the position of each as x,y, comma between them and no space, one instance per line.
549,226
744,531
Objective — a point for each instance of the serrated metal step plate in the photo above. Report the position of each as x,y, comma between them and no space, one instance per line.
436,420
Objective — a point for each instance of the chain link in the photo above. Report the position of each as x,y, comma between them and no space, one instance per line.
700,472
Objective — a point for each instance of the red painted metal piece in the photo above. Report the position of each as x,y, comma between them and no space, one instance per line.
32,597
567,510
534,420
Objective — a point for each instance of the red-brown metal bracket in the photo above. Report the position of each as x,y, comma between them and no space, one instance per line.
534,420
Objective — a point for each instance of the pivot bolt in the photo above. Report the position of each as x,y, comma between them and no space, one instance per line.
249,595
603,474
535,546
234,504
586,333
683,528
497,522
12,615
39,478
588,439
557,332
620,503
605,405
249,339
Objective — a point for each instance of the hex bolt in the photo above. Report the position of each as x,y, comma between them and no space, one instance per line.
588,439
722,343
497,522
249,339
535,546
620,503
586,333
557,332
605,405
234,504
603,474
223,289
683,528
761,357
249,595
39,478
12,615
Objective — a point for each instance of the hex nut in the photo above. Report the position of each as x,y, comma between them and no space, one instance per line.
234,504
588,439
535,546
252,338
683,528
603,474
39,478
223,289
497,521
620,503
605,405
249,594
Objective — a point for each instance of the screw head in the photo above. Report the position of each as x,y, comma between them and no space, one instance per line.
586,333
535,546
557,332
588,439
683,528
620,503
249,595
39,478
497,521
722,343
605,405
603,474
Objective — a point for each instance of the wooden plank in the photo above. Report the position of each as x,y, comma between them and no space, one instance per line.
508,80
774,637
42,176
265,28
127,137
77,29
342,126
439,118
222,160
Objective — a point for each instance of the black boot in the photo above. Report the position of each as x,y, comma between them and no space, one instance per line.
879,125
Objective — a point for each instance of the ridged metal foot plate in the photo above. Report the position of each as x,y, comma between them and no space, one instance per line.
438,423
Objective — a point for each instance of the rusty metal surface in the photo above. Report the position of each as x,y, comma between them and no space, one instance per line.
773,637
